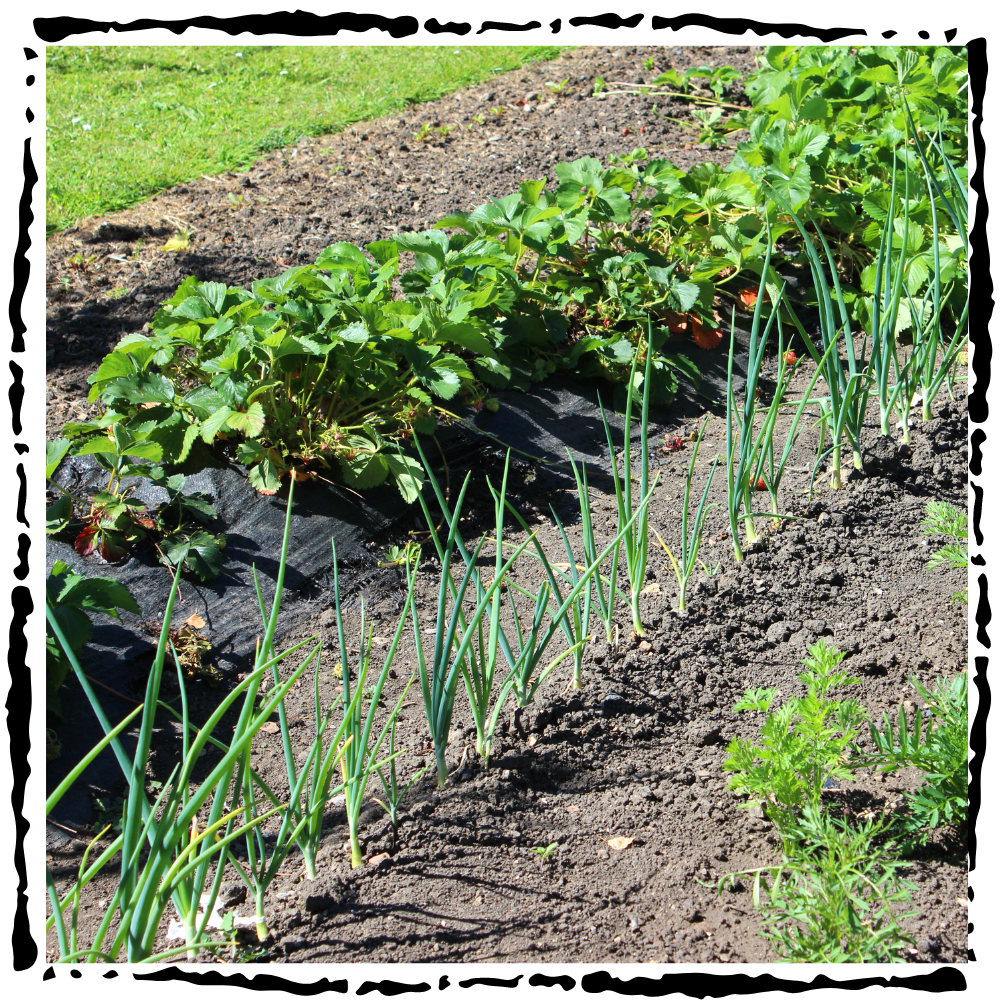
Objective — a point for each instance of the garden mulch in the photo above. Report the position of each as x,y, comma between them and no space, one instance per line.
638,752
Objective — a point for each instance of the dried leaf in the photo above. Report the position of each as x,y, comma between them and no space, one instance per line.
652,588
704,338
379,859
84,544
195,621
572,809
179,242
270,727
620,843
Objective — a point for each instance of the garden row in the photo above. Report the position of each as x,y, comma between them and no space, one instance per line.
325,367
836,883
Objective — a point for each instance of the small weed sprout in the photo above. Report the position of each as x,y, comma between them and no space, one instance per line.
394,793
545,852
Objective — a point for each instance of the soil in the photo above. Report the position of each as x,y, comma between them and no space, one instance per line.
638,752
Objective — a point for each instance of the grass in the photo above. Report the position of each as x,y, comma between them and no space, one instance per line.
125,122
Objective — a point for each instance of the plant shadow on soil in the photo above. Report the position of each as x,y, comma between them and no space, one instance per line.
638,752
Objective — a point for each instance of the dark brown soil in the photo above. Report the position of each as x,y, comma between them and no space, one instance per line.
638,752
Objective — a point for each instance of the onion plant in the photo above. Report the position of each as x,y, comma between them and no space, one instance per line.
749,450
569,614
523,682
394,792
636,539
306,798
479,668
168,849
888,293
577,620
605,601
929,339
846,402
690,544
358,760
453,635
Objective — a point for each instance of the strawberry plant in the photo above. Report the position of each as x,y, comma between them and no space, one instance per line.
112,522
73,599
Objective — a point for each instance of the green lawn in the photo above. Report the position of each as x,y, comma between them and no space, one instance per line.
126,122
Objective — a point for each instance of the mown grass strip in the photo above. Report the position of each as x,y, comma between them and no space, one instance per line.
126,122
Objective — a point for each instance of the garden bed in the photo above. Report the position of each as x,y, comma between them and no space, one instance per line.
638,752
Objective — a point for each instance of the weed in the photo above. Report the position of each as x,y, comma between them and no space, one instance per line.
545,852
235,201
118,292
408,555
394,792
557,87
80,263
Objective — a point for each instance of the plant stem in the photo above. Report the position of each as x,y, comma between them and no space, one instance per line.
258,898
309,857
